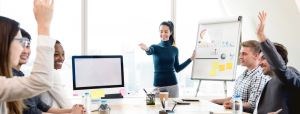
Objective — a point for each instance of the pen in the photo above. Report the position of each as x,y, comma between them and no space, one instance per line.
145,91
174,107
163,103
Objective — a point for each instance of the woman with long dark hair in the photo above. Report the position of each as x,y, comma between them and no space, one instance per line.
165,58
14,89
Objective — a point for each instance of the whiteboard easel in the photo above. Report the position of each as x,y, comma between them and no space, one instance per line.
225,88
217,49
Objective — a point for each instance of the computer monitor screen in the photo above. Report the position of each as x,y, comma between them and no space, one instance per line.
97,71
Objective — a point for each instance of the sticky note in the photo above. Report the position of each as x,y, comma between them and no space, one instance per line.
97,93
215,64
212,72
229,65
222,67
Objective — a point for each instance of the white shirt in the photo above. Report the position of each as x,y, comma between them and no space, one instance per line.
57,96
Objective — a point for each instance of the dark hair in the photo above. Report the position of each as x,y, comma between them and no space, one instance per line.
253,44
171,27
282,51
25,34
57,42
9,29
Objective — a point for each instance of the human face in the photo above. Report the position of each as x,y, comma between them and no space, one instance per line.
165,32
25,54
15,50
248,58
265,66
59,56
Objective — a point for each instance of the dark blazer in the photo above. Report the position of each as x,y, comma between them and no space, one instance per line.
283,90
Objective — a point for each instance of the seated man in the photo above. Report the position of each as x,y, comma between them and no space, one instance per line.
34,105
281,93
250,83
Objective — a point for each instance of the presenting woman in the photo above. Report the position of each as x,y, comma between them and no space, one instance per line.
165,58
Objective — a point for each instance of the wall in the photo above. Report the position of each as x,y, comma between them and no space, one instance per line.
282,22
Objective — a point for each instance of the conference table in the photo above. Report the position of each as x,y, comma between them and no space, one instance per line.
138,106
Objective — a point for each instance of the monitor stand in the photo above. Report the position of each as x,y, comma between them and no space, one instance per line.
112,96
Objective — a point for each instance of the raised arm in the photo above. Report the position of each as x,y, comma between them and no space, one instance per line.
40,79
289,76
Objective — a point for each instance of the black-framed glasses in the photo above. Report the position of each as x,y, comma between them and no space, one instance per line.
23,41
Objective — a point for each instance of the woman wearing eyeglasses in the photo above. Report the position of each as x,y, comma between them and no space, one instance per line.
14,89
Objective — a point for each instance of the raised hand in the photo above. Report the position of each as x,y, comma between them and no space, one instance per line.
261,26
143,46
43,10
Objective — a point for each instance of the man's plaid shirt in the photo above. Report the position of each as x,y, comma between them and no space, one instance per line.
250,84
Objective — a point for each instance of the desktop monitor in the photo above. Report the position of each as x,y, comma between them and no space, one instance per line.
97,71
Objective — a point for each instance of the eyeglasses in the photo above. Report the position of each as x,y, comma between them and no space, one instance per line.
23,41
263,57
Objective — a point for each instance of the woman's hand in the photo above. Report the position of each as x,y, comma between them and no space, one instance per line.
78,109
43,10
193,56
143,46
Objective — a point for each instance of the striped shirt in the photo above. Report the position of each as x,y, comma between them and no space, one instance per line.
249,85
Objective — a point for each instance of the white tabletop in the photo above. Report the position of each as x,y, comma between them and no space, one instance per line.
138,106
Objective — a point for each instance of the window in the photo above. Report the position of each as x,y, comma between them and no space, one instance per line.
118,26
188,15
65,27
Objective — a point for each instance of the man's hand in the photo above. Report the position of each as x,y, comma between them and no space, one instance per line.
261,26
277,112
227,104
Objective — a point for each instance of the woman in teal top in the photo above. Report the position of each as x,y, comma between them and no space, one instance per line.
165,58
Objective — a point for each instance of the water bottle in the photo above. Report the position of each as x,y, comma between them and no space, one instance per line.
87,102
237,105
104,107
